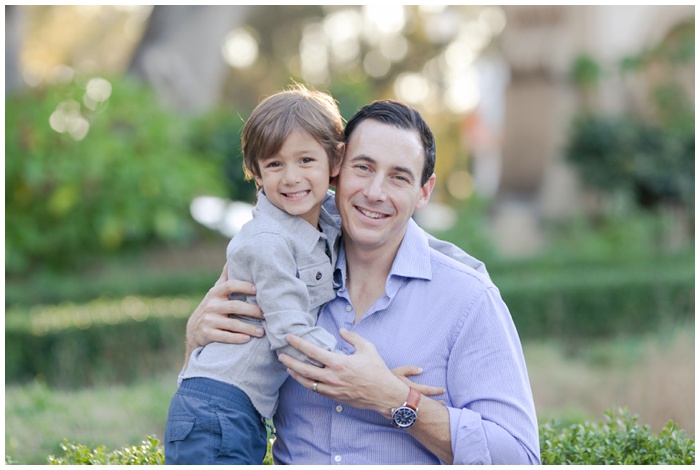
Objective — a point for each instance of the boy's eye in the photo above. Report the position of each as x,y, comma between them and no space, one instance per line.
307,160
272,164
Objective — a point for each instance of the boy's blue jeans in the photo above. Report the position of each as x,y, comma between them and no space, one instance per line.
211,422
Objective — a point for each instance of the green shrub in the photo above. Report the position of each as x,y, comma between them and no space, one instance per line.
148,453
619,440
86,177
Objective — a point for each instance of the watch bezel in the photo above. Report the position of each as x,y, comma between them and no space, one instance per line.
399,414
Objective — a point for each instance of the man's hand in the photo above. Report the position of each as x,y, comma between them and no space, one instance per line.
211,322
361,380
403,372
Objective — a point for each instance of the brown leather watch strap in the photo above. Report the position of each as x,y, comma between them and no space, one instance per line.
413,399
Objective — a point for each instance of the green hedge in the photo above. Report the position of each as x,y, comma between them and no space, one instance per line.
619,440
106,340
599,301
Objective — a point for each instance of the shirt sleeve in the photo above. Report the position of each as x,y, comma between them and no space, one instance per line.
283,298
492,420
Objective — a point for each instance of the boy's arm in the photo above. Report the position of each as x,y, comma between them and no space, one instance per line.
267,261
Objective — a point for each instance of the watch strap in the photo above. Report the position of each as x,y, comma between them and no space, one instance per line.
413,399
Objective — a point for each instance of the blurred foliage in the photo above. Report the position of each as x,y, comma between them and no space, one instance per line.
620,233
586,71
128,182
622,154
651,158
619,440
470,231
216,136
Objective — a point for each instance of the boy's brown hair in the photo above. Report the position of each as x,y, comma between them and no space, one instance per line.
276,116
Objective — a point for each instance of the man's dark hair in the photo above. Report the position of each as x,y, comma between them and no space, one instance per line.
399,115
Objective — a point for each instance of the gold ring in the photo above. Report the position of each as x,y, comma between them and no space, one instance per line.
314,387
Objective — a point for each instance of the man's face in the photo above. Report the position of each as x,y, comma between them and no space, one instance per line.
379,184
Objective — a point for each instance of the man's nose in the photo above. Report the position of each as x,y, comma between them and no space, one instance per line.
374,191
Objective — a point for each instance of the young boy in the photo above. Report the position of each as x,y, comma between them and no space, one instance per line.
292,146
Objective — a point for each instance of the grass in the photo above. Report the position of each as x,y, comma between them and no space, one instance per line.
653,376
38,418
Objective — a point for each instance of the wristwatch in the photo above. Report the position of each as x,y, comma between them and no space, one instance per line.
405,416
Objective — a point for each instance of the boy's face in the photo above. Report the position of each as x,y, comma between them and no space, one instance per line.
296,178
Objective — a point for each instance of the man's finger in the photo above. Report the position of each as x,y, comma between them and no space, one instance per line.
354,339
242,308
312,351
223,277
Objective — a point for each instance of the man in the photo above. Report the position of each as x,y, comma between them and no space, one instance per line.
399,301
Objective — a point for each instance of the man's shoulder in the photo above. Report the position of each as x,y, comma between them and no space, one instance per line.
446,268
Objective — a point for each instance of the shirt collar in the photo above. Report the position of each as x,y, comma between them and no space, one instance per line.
304,233
412,259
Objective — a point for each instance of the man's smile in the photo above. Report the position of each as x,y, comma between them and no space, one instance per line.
371,214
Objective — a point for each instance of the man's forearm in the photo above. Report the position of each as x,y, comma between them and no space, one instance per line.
432,429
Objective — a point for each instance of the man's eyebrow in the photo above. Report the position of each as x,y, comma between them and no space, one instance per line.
400,169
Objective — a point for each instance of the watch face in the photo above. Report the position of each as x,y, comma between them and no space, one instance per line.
404,417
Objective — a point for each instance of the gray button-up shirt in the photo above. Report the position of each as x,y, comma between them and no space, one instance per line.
291,263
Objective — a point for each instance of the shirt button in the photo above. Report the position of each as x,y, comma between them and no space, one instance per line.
319,276
339,408
338,458
348,308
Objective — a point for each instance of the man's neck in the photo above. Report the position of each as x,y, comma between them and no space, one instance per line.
367,272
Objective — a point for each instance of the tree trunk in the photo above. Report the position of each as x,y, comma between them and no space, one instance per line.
180,53
13,46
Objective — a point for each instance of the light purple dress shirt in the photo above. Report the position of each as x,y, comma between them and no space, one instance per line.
450,320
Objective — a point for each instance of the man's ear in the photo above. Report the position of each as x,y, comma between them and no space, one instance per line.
335,170
425,191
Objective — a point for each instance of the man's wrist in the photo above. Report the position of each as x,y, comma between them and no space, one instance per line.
406,415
